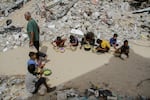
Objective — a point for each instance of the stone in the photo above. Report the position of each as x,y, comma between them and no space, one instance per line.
78,32
92,98
51,26
42,90
5,49
123,56
61,96
96,15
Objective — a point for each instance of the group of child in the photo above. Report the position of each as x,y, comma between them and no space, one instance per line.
34,77
97,45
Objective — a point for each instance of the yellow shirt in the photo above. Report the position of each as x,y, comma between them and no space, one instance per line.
105,44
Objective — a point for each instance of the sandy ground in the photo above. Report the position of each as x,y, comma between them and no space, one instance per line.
65,66
79,67
122,77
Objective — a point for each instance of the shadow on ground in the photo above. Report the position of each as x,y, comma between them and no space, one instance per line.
126,77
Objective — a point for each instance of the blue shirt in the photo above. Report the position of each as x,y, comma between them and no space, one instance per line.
32,62
113,41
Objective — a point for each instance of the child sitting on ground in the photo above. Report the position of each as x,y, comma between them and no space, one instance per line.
113,41
33,81
33,60
103,46
73,41
124,49
59,42
89,38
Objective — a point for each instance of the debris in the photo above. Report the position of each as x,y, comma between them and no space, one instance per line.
142,10
78,32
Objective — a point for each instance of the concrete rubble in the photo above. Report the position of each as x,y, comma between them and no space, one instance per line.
11,37
105,18
74,17
8,6
13,88
79,17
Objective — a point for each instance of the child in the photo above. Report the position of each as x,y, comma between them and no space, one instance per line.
124,49
33,82
104,46
59,42
113,41
73,41
88,39
32,60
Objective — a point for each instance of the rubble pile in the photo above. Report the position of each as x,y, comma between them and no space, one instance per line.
11,36
8,6
139,4
104,19
94,94
11,87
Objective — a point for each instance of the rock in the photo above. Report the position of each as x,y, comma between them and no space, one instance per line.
61,96
51,26
123,56
78,32
16,81
96,15
42,90
92,98
5,49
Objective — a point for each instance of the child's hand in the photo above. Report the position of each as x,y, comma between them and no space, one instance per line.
42,65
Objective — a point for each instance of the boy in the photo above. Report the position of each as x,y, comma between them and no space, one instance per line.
124,49
89,38
73,41
59,42
103,47
32,60
33,82
113,41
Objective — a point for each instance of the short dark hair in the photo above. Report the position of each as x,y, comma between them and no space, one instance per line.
115,35
89,35
58,38
71,37
31,54
31,68
125,41
98,41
